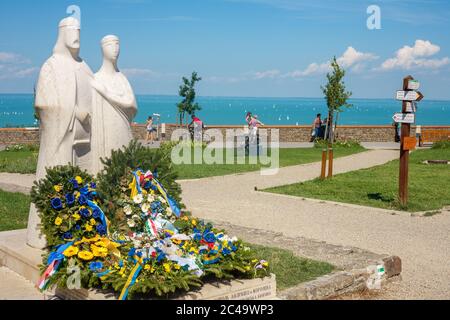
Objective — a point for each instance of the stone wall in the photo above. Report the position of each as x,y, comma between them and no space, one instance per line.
286,133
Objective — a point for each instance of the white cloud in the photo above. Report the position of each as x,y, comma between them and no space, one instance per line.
25,72
266,74
15,66
136,72
417,56
13,58
351,58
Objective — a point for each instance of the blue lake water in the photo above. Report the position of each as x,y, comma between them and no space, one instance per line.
17,110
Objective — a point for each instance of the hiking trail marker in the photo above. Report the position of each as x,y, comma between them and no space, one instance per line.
404,117
409,96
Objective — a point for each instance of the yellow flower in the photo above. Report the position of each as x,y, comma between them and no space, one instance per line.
79,179
99,251
76,216
57,187
88,227
147,267
247,268
254,260
92,221
166,267
194,250
85,255
58,221
176,241
77,195
177,266
194,222
122,271
265,264
70,251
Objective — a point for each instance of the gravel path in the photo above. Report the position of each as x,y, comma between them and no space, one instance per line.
423,243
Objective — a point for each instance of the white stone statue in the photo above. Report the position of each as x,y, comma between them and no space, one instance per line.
114,105
63,103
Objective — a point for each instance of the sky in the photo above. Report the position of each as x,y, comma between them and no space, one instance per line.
254,48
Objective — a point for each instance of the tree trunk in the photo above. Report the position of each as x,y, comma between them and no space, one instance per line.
335,125
330,120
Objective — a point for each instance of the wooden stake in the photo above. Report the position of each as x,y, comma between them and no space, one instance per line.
324,163
404,154
330,162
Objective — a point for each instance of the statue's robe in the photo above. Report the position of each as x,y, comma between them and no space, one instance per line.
112,116
62,91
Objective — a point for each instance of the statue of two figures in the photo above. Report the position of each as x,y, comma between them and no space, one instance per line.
83,116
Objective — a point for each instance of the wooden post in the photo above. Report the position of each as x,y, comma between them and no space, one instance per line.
404,154
324,163
330,162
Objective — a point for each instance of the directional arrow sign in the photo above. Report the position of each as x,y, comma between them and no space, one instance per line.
413,85
404,117
410,107
409,96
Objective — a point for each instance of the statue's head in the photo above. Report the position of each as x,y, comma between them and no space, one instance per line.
68,36
111,47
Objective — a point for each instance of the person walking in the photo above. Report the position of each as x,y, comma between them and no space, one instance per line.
197,126
317,123
254,123
150,130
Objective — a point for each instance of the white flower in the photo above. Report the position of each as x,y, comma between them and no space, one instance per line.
234,239
135,217
138,198
150,198
145,207
128,210
131,223
168,211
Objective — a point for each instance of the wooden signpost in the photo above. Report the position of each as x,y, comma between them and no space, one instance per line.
408,95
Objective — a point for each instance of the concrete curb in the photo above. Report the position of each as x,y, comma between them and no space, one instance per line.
358,270
374,277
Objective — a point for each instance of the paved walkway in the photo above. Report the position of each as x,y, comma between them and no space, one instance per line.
423,243
18,288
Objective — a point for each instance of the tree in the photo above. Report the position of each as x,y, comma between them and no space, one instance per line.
187,92
336,95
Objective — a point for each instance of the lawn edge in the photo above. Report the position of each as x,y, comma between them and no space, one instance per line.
358,206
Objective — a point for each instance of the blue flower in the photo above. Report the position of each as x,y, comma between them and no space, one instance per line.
74,183
95,266
100,229
82,199
56,203
70,199
131,252
96,213
160,257
77,227
84,190
93,185
67,235
233,247
197,237
226,251
85,212
147,185
210,237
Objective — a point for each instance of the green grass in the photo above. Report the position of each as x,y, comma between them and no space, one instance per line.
290,269
14,208
23,161
287,156
429,185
